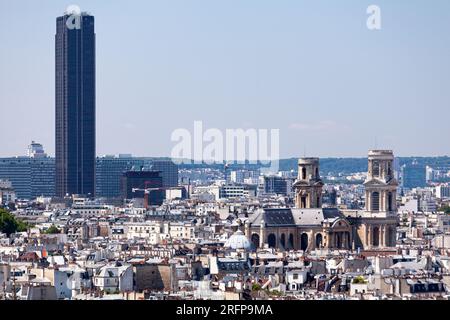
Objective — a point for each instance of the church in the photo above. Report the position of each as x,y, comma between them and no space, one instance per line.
308,226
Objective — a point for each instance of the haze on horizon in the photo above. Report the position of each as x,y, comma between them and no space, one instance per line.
309,68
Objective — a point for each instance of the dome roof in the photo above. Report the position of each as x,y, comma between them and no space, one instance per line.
238,241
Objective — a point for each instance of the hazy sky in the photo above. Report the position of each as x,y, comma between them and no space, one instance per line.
310,68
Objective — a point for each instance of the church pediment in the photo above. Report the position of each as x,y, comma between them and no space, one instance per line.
381,183
310,183
375,182
340,223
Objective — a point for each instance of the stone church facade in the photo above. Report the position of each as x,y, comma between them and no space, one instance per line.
308,226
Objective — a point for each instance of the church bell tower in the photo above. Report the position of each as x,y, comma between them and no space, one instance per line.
308,186
380,185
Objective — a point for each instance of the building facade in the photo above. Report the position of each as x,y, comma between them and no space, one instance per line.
30,177
169,172
276,185
414,175
109,171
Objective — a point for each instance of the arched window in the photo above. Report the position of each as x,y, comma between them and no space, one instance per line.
272,240
391,237
317,173
255,240
283,241
338,241
318,240
303,173
390,202
291,241
376,237
375,201
304,242
303,202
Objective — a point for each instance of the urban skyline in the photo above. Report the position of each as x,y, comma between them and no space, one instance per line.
314,117
189,158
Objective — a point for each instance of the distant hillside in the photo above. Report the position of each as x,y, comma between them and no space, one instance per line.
337,165
349,165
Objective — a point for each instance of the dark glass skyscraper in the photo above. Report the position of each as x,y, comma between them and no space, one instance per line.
75,105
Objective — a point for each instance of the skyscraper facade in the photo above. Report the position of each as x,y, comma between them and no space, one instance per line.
169,172
75,104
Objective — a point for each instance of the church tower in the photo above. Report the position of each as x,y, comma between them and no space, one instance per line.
376,225
308,186
380,185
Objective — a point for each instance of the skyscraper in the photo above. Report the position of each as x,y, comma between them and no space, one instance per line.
75,104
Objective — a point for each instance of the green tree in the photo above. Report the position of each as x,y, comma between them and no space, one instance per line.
9,224
446,209
359,280
256,287
52,230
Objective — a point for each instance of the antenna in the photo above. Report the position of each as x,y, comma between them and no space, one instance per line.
376,142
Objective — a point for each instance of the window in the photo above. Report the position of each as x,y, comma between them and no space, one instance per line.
303,202
375,205
303,173
390,200
376,169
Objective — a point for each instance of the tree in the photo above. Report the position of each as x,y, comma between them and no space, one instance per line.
256,287
446,209
359,280
9,224
52,230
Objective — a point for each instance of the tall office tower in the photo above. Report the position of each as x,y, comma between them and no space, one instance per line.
75,104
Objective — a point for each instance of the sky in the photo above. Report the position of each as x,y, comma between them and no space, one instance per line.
311,69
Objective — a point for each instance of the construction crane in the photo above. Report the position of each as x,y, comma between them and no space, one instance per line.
146,190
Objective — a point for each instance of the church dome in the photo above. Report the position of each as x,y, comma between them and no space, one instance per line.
238,241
